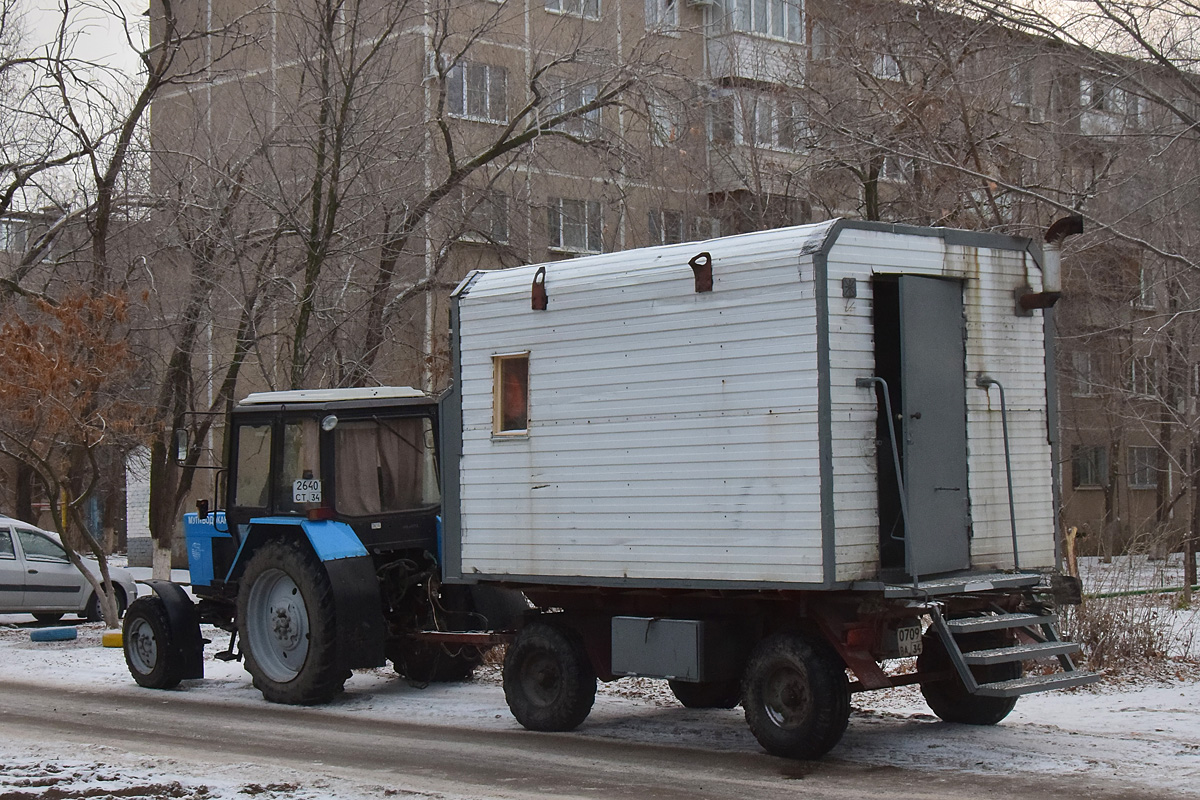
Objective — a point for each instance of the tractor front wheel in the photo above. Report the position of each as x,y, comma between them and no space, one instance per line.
149,643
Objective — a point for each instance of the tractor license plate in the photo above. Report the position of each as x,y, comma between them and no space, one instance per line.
909,641
306,490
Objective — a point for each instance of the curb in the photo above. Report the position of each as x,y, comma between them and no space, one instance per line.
112,639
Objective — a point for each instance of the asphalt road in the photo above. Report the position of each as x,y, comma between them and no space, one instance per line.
448,761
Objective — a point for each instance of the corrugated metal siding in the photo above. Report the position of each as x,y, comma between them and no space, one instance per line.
1000,344
673,435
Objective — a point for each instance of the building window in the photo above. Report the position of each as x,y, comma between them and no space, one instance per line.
897,169
575,225
13,236
1089,466
666,227
1087,374
1020,78
665,117
1145,290
589,9
572,97
759,119
477,91
510,401
821,46
1142,380
485,217
661,15
782,19
721,120
885,67
1143,467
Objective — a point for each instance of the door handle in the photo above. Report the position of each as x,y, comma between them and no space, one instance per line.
32,572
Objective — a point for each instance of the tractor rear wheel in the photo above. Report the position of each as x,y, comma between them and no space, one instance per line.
287,626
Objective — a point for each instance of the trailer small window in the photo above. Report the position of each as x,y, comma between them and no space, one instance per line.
510,401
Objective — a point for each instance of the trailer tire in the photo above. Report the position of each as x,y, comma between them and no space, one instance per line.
149,645
949,699
287,626
707,694
796,696
549,682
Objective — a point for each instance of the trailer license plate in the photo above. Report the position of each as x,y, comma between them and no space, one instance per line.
909,641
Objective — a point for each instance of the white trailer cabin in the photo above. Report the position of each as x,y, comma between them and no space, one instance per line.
639,432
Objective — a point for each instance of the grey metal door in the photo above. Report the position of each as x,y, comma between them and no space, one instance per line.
933,385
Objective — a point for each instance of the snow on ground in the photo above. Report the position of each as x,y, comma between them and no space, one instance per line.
1140,728
1144,731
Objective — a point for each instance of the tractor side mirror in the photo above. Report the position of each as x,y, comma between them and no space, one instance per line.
183,443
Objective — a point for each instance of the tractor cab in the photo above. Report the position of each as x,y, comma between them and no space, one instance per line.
363,457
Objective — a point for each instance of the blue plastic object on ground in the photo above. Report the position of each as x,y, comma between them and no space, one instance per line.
53,634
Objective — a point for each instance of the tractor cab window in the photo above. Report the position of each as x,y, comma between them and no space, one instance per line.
299,480
253,478
385,465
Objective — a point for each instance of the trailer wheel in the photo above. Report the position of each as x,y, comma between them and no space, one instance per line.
285,619
948,698
149,647
796,696
549,682
711,694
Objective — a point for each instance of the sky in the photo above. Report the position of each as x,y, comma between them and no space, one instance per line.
95,24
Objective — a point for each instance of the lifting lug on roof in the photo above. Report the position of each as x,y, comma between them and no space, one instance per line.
540,298
701,265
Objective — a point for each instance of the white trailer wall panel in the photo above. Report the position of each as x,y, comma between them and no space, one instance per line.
676,437
672,436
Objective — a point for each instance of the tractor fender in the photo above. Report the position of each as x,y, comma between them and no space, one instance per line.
184,619
357,603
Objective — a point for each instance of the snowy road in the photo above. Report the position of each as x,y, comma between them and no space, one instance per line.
306,746
74,725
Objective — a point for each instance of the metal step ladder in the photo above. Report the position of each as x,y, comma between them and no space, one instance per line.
1045,643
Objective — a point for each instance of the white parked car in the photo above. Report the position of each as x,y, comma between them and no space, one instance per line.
37,578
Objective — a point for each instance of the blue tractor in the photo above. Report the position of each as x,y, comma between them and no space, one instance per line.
325,556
